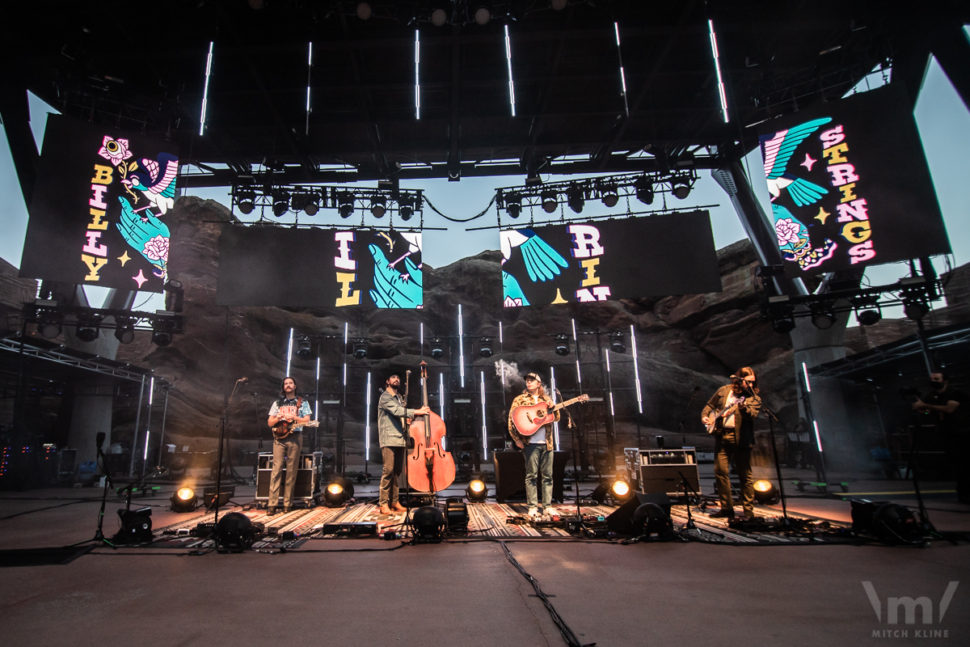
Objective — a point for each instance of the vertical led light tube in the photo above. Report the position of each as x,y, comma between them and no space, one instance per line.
289,355
309,70
484,420
552,394
609,381
461,349
441,395
579,374
636,369
316,402
619,56
367,423
818,436
717,67
205,89
148,427
344,382
508,60
417,74
421,337
808,384
501,345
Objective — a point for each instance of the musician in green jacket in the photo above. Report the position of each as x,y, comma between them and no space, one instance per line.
537,448
730,414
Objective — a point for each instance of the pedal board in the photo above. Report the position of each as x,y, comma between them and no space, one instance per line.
351,529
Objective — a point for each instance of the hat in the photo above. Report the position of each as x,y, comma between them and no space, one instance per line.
533,376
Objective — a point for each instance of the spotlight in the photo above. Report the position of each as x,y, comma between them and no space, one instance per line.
246,200
513,205
485,347
477,491
550,201
783,324
338,491
680,187
124,329
184,500
87,326
600,493
345,202
620,490
482,15
234,533
765,492
644,189
378,206
162,332
281,202
360,348
558,5
575,198
616,342
49,323
406,208
562,344
428,523
305,347
823,317
439,17
437,349
915,308
364,10
867,311
609,196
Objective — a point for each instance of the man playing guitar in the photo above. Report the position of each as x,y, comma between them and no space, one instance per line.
287,416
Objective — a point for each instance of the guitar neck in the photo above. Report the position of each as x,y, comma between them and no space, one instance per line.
565,404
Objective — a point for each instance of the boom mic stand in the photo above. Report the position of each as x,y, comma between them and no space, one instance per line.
772,419
687,486
576,471
99,533
222,440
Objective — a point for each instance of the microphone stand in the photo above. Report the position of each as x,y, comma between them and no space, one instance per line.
772,419
581,525
690,518
222,438
99,533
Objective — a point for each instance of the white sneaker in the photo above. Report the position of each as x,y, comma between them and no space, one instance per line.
533,512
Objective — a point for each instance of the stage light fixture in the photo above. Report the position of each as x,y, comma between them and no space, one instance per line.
345,202
364,10
644,189
338,491
616,342
281,202
234,533
575,198
49,323
429,524
783,324
609,195
456,515
304,347
378,206
600,493
765,491
437,348
162,332
562,344
513,205
485,347
680,187
87,328
360,348
550,201
867,310
482,15
915,308
184,499
477,491
212,496
124,329
246,200
558,5
439,17
620,489
823,317
405,208
136,526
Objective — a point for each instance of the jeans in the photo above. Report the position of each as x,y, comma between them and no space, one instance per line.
724,454
290,448
393,458
538,463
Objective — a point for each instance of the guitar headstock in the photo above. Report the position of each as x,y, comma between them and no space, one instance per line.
582,398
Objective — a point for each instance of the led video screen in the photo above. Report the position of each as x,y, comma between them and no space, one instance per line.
850,186
97,215
609,259
275,266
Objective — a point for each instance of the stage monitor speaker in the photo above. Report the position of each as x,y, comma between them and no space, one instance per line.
510,474
641,514
666,470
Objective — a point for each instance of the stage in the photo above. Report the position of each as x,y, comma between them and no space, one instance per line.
499,582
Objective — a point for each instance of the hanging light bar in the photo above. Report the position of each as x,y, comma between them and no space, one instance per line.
417,74
508,60
636,369
717,67
619,55
205,89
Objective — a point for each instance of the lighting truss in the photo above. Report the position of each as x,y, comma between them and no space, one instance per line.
250,196
610,190
44,310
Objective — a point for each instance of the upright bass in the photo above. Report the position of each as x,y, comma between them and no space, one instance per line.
430,467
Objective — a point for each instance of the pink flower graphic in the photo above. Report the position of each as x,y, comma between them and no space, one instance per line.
114,150
156,249
786,231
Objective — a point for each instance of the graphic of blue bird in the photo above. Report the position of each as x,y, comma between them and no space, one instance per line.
155,179
777,152
146,234
541,260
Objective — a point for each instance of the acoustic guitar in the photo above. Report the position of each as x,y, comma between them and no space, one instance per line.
284,428
529,418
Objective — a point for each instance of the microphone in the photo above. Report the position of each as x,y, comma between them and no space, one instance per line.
242,380
99,440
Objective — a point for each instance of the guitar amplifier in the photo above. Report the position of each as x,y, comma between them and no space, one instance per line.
664,471
307,478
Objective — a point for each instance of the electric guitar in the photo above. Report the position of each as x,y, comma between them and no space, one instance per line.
284,428
529,418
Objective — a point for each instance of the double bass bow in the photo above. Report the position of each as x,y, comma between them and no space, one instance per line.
430,468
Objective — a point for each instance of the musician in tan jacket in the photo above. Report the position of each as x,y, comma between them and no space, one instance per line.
537,448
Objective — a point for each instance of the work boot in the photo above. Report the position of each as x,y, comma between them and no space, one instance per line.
385,509
271,511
